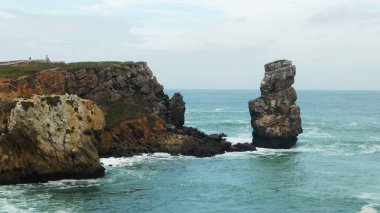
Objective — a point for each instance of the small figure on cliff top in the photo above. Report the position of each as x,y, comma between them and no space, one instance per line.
30,60
47,59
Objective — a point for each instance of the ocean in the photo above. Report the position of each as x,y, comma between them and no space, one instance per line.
333,168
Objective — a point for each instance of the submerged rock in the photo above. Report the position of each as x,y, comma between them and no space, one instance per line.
275,117
49,138
241,147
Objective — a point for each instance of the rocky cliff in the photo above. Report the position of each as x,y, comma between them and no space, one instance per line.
49,137
140,117
275,117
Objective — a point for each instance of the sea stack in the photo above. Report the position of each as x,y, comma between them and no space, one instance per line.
275,117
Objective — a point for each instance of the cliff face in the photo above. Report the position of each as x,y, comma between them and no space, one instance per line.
140,117
128,88
49,137
275,117
127,93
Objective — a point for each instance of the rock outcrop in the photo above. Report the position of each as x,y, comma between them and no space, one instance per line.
140,117
191,141
48,138
177,109
275,117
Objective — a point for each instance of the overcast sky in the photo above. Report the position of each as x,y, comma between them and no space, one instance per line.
335,44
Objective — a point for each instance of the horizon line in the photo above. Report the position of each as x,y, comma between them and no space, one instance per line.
344,90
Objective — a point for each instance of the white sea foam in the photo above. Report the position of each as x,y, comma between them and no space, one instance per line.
369,196
306,146
218,109
265,151
122,162
5,206
340,149
302,147
327,150
369,149
315,132
237,155
71,183
239,139
128,161
369,208
373,200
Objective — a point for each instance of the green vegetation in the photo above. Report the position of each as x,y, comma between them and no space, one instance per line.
20,68
89,65
23,69
120,110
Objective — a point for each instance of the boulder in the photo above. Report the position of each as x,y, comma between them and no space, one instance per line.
275,117
48,138
193,142
241,147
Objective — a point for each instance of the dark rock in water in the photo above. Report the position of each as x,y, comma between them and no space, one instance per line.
196,143
217,136
275,117
242,147
190,141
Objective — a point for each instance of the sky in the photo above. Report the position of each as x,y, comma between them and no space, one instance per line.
205,44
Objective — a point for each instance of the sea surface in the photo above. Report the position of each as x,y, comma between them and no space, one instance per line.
335,166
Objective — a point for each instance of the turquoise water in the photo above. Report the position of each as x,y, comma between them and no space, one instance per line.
334,167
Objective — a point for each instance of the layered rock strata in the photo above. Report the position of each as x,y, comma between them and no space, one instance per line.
48,138
276,120
140,117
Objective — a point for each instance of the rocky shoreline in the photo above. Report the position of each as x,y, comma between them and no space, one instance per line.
133,114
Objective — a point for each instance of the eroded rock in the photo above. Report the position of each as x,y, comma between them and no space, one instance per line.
48,138
275,116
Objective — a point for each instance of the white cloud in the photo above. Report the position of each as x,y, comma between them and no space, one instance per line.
6,15
269,20
106,5
228,36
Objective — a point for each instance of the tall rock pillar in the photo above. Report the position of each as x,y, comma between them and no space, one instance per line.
275,117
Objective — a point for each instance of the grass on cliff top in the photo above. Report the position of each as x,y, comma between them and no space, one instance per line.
23,68
120,110
94,65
